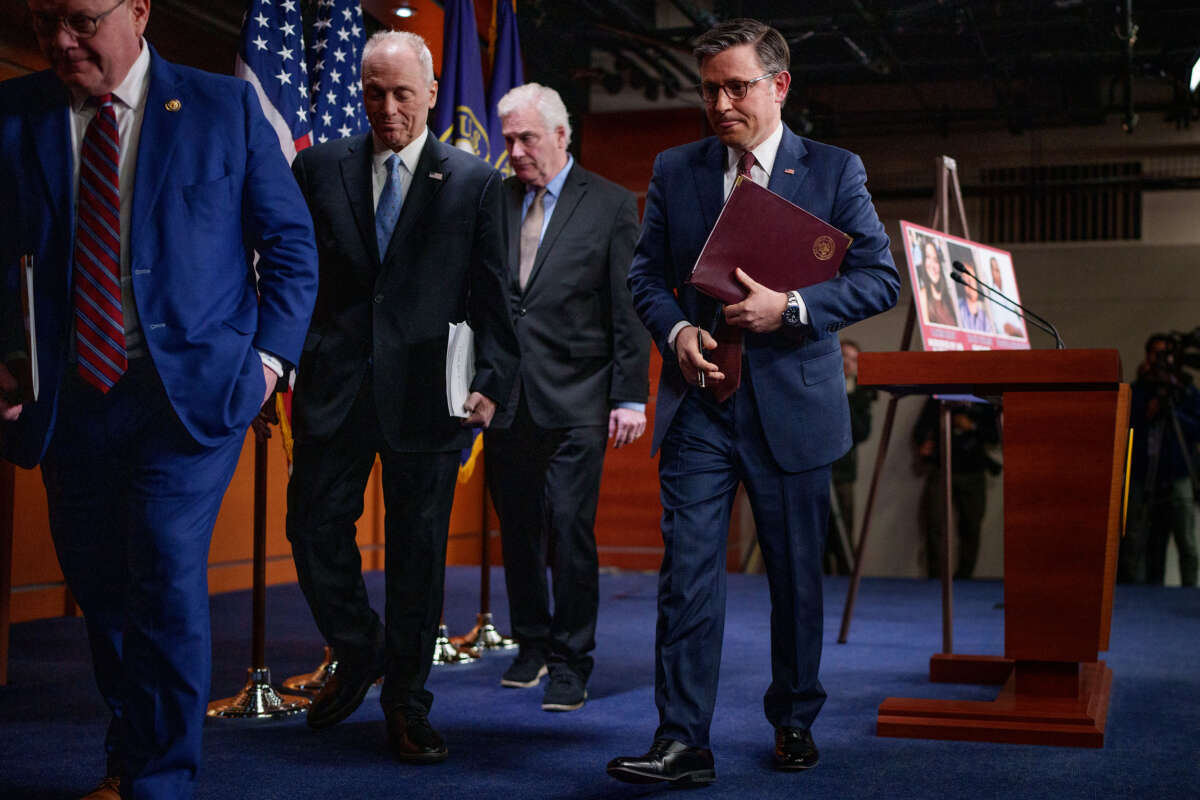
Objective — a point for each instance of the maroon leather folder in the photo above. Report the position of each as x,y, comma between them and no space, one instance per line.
777,243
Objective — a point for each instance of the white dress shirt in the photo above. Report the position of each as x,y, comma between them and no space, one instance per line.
409,155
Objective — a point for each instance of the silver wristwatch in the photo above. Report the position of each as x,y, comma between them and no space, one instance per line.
791,313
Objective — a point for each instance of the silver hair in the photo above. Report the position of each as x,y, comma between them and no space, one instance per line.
542,98
411,40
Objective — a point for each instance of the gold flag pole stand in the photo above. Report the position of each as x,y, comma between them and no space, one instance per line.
484,636
258,699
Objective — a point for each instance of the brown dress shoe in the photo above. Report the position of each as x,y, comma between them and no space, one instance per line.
109,789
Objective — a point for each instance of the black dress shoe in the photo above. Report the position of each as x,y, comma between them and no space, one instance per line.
667,761
412,738
794,749
343,693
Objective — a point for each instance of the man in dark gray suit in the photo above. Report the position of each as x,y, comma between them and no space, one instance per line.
582,381
409,238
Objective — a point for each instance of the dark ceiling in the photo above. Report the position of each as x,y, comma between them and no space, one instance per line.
859,66
865,65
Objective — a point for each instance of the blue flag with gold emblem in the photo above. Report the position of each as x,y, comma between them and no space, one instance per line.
460,117
507,73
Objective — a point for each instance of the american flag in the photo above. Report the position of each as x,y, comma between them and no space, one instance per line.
334,56
272,58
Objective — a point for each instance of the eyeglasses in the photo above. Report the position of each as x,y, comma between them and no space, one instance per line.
734,90
81,26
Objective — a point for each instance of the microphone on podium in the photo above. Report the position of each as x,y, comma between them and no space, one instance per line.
997,296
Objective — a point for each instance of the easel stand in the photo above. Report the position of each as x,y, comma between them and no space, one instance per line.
947,187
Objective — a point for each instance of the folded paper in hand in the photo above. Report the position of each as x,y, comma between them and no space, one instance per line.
775,242
24,364
460,367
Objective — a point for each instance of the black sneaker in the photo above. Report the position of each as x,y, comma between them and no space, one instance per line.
565,691
525,671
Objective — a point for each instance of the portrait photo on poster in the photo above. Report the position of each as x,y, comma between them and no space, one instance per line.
959,288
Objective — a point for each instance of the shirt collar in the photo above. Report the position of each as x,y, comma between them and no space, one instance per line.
132,90
409,154
764,154
555,185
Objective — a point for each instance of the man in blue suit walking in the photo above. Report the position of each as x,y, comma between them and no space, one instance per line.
777,431
139,189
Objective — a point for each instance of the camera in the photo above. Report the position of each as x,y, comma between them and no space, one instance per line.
1168,357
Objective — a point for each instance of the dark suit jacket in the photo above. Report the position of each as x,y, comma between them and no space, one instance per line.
444,264
796,375
212,186
582,347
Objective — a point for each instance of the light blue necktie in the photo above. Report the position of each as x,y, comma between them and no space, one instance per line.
390,201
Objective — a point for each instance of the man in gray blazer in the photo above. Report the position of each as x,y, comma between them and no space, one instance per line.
582,381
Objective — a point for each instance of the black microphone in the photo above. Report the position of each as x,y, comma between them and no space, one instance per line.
1025,313
1030,318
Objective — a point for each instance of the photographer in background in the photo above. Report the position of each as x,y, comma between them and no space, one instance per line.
973,429
1165,415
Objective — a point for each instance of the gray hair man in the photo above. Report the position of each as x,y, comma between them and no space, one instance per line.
582,382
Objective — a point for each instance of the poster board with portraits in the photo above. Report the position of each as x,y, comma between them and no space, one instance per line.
957,316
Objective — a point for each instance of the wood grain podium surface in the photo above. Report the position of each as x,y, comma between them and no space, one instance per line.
1065,434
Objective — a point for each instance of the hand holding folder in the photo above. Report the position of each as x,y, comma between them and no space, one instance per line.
778,244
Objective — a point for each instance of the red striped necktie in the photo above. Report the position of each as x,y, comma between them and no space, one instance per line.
728,353
99,321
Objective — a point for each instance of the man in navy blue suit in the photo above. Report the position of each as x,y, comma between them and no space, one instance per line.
778,432
140,190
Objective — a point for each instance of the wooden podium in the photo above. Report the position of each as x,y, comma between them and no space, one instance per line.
1066,428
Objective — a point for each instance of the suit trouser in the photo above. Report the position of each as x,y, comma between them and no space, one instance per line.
1171,516
133,499
968,495
707,451
325,499
546,485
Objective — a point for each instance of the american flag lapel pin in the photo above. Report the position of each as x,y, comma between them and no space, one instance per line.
437,176
789,171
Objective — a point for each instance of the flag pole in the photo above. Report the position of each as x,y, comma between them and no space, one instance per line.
484,636
258,699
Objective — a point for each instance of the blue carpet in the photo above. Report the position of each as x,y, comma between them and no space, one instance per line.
502,744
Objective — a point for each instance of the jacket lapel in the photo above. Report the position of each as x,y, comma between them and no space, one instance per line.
356,179
431,174
789,172
51,126
514,194
574,188
160,133
708,170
